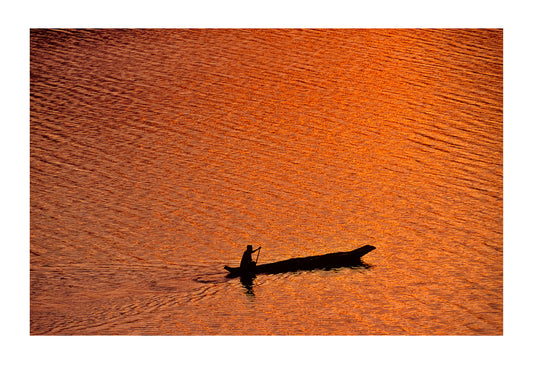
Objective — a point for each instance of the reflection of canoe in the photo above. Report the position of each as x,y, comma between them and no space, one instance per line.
326,261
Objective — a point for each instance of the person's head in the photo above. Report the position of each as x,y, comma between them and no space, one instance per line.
249,248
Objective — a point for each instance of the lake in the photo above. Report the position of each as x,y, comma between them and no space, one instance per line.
157,155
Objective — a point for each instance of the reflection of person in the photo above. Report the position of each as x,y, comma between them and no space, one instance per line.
246,262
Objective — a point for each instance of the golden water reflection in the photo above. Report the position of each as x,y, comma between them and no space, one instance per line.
156,155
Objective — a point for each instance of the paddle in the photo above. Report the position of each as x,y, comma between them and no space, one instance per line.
258,251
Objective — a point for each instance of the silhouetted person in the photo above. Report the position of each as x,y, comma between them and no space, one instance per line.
247,264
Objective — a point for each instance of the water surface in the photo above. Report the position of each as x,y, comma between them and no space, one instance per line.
158,155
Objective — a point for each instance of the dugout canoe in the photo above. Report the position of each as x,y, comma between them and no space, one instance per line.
326,261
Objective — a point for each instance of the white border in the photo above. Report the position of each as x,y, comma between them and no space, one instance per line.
60,356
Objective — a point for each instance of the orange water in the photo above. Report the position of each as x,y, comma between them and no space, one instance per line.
158,155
